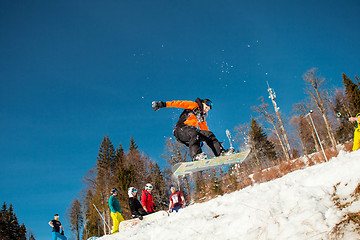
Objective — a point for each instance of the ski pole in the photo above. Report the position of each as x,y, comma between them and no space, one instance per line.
102,217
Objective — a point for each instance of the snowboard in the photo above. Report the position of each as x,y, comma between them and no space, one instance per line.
146,219
184,168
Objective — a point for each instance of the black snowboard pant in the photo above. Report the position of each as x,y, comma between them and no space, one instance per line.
192,137
141,212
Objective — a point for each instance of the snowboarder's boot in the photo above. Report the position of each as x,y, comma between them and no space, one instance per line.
227,152
200,156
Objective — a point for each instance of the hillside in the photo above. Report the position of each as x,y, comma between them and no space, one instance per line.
301,205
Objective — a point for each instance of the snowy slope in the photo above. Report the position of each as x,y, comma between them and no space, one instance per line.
296,206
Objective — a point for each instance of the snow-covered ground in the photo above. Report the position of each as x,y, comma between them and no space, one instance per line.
296,206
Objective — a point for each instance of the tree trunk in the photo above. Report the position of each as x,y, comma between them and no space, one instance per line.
313,134
316,83
286,154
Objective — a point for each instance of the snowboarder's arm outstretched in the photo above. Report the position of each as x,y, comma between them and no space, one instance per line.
177,104
182,104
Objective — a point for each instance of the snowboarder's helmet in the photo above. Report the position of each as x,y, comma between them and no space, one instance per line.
114,190
131,191
148,186
208,102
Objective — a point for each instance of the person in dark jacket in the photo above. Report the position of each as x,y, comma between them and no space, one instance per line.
191,128
136,209
56,225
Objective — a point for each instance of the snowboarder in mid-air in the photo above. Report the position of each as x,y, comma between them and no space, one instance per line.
191,128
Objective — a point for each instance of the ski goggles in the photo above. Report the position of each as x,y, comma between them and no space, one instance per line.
134,190
208,103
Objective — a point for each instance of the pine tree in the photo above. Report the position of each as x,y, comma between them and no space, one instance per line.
342,105
30,234
141,163
160,195
199,190
125,174
76,217
347,106
124,178
3,221
352,91
216,183
133,146
92,223
106,167
9,225
31,237
105,160
22,232
262,148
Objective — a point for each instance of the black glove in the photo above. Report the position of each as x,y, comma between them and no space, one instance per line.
62,232
157,105
141,217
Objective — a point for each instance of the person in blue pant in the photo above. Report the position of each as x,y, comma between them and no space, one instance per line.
56,225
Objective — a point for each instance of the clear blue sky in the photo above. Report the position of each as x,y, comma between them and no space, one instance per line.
74,71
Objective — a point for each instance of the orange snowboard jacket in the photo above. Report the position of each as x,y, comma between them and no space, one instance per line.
192,114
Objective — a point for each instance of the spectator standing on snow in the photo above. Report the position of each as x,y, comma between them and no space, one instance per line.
115,210
177,200
56,225
136,209
147,200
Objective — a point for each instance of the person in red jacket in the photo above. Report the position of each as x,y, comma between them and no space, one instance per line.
147,200
191,128
176,199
